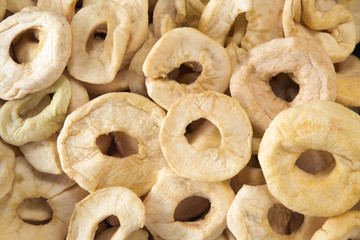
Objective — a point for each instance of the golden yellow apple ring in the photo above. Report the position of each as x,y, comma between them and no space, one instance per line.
318,125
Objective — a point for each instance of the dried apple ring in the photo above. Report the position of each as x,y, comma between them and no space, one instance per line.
7,157
115,21
118,201
320,20
138,13
317,125
61,195
219,15
344,226
130,113
169,190
211,164
216,67
256,214
65,8
17,80
18,131
338,42
348,81
250,82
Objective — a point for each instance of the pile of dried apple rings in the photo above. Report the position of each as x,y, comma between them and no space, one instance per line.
179,119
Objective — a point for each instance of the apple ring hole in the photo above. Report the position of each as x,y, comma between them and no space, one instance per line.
316,162
192,209
119,144
96,42
284,221
284,87
27,210
187,73
194,126
30,35
107,223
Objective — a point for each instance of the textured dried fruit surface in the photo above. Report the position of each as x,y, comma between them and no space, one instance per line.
117,201
17,80
319,125
212,163
215,63
82,159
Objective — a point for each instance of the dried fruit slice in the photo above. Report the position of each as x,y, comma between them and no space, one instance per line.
312,67
218,17
113,20
169,190
256,214
17,130
322,20
215,63
210,164
138,13
61,195
338,42
17,80
117,201
130,113
318,125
